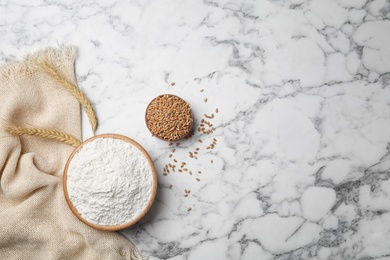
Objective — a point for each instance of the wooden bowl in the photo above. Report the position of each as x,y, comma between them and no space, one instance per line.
152,197
166,139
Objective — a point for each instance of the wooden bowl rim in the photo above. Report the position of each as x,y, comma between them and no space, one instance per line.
152,197
189,128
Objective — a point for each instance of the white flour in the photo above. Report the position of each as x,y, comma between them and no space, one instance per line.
109,181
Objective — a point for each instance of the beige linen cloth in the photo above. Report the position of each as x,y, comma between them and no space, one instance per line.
35,221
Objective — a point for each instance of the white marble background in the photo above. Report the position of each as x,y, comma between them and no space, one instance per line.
302,165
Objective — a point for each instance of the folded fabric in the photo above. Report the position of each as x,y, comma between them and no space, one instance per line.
35,221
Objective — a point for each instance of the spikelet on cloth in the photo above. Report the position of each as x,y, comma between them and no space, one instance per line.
35,221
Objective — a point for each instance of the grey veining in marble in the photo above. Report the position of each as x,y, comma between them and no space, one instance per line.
301,168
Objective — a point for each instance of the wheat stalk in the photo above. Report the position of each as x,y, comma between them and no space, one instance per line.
44,133
74,90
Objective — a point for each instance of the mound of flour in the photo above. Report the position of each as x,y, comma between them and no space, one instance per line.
109,181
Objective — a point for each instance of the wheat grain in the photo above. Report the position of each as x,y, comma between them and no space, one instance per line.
44,133
169,117
74,90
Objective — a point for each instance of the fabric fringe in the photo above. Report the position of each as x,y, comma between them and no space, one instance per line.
57,57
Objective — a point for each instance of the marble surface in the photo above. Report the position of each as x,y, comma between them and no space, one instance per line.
301,168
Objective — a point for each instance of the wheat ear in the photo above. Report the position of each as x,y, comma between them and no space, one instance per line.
74,90
44,133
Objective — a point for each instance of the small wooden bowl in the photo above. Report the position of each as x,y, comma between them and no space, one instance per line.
152,197
169,140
